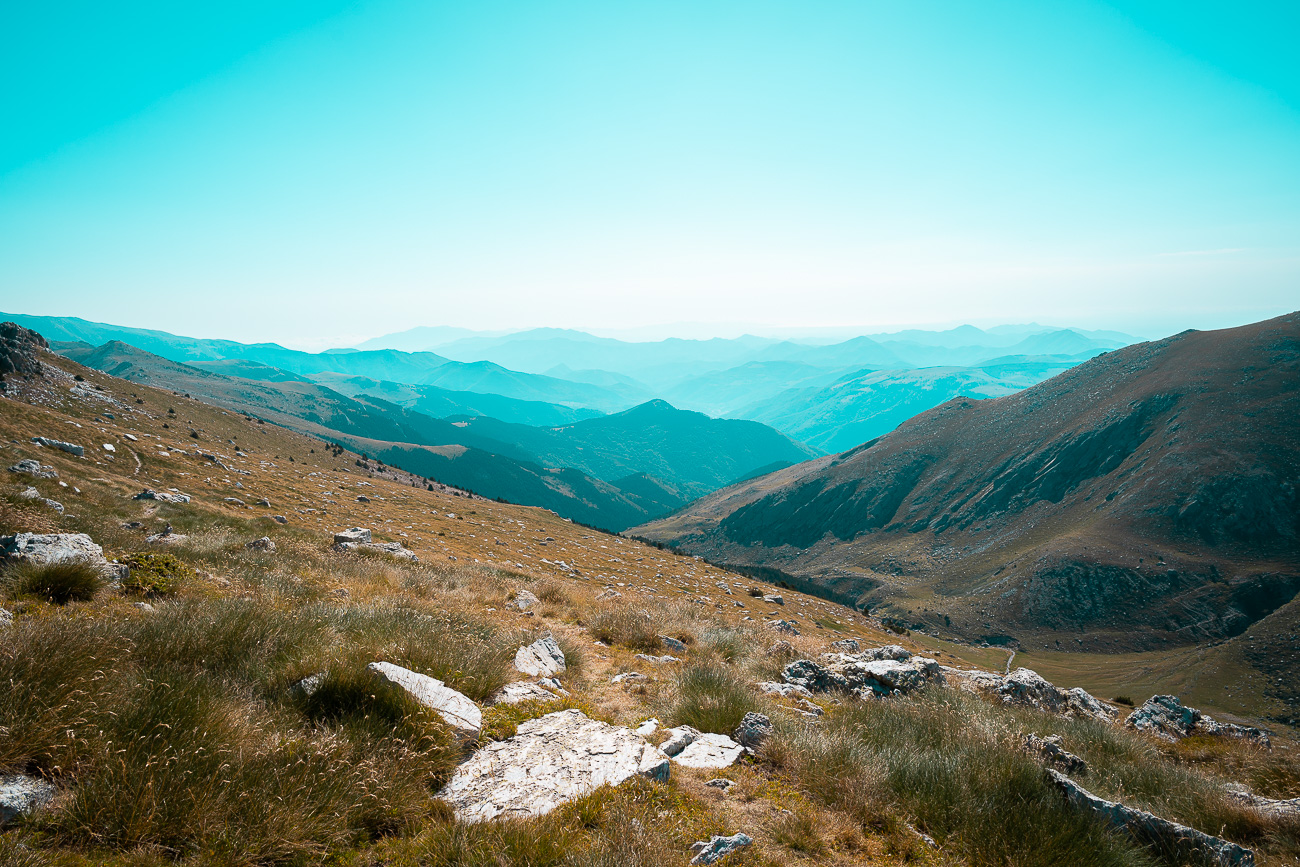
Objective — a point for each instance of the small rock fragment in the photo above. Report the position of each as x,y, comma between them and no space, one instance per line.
717,847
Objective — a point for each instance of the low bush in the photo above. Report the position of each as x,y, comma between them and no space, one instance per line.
711,698
622,625
60,582
154,575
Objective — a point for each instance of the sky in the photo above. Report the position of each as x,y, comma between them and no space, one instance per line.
317,173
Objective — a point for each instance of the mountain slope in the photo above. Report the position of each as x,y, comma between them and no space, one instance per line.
410,440
1150,496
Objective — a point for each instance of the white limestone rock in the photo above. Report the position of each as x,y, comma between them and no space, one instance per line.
21,795
455,709
524,599
549,761
521,691
717,847
695,749
542,658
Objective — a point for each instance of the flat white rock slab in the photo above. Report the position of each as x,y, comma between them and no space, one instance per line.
550,760
457,710
542,658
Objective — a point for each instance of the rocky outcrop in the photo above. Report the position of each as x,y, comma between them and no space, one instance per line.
359,539
1026,688
457,710
70,448
33,494
718,847
865,674
162,496
355,536
753,730
789,627
34,468
542,658
1287,810
550,760
42,548
19,348
1049,751
524,599
1168,718
521,691
695,749
1184,843
21,796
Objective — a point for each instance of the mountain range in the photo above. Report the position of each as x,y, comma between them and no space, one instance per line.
1148,497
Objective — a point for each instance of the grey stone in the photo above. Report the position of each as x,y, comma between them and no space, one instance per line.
1166,717
696,749
1288,810
785,690
524,600
35,469
549,761
1182,842
308,685
717,847
362,498
70,448
864,674
608,594
280,519
6,617
541,658
773,599
846,645
672,644
1026,688
161,496
1049,751
629,677
354,536
262,544
754,729
457,710
789,627
521,691
645,657
41,548
720,783
21,795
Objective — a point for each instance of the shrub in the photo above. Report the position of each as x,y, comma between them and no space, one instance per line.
1124,700
711,698
154,574
633,629
553,593
60,582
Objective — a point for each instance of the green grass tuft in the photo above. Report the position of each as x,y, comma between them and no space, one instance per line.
60,582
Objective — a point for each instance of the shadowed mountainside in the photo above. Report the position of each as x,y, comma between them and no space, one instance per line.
1147,497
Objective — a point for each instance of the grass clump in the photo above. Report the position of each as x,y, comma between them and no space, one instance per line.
711,698
631,628
60,582
154,575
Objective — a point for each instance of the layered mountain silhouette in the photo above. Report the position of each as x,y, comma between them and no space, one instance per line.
1148,496
609,471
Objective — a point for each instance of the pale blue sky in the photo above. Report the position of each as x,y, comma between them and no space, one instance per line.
316,172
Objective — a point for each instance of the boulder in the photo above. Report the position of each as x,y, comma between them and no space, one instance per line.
672,645
70,448
162,496
718,847
1184,844
524,599
753,730
864,674
262,544
354,536
34,468
280,519
846,645
785,690
308,685
789,627
542,658
549,761
455,709
33,494
695,749
41,548
21,795
773,599
1166,717
521,691
1026,688
1049,751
